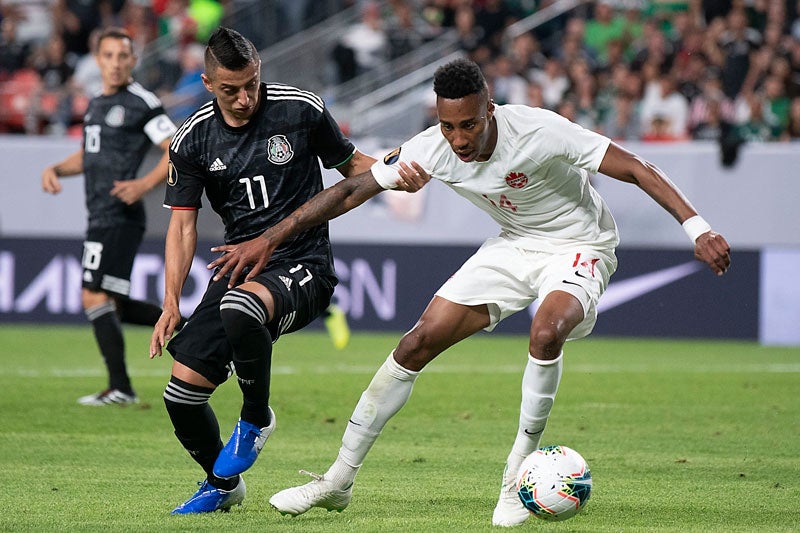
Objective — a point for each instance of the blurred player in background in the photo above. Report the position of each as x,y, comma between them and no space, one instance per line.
255,151
120,125
529,169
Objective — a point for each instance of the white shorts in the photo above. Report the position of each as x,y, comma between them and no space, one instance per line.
508,279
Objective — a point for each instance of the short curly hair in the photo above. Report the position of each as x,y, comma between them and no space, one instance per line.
458,79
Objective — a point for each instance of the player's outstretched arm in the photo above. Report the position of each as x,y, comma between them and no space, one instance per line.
328,204
181,243
709,246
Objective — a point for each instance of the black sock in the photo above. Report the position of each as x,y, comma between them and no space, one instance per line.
243,317
195,423
108,333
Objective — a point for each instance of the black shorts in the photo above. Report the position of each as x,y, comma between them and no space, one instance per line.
300,293
108,255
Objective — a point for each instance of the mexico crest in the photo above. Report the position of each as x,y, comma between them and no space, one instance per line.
279,150
115,116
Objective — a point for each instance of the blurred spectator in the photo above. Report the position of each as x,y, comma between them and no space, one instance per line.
293,15
405,31
508,87
714,125
603,28
55,71
364,45
74,21
622,122
493,16
690,72
526,54
776,104
572,47
757,127
792,132
14,53
189,92
141,23
655,49
664,111
711,95
34,19
553,81
470,35
176,23
736,43
87,79
535,95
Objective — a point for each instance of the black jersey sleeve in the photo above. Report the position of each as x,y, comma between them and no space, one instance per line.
184,184
329,143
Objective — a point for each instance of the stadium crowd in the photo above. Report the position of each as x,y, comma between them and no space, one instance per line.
651,70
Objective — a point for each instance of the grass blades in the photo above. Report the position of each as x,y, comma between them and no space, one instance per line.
680,436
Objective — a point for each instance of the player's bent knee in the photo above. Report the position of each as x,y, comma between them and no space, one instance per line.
241,310
546,343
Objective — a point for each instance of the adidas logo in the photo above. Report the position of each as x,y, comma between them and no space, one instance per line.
217,165
286,281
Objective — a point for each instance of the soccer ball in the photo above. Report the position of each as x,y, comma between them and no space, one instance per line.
554,483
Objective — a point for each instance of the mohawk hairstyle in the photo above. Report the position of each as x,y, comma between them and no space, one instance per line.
458,79
230,50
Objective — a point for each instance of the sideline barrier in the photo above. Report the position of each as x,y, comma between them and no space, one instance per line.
655,293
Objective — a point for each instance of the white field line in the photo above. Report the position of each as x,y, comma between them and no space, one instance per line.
435,368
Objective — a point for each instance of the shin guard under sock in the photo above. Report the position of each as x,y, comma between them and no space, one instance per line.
244,317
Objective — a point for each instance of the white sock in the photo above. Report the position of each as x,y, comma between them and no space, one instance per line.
539,385
387,393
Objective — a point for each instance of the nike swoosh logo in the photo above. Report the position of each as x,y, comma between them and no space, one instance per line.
354,423
629,289
571,282
580,275
532,434
621,292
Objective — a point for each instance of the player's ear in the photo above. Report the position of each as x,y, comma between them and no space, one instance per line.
490,109
207,82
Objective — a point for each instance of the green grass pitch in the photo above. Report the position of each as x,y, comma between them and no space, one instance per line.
680,436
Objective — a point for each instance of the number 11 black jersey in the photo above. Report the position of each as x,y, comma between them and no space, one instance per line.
255,175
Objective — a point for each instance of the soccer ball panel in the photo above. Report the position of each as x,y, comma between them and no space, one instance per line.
554,483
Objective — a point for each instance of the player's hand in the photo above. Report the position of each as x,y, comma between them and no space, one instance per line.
254,253
50,182
712,249
129,191
163,330
412,178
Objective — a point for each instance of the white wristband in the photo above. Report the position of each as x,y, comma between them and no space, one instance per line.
695,226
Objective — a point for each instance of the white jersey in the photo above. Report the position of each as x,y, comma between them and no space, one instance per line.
535,185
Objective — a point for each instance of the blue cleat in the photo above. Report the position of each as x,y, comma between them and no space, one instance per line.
243,448
208,499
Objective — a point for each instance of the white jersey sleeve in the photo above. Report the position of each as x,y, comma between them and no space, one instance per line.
426,148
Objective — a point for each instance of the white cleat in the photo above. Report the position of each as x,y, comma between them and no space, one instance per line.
318,493
509,511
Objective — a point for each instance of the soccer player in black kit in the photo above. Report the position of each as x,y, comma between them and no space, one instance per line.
119,126
255,151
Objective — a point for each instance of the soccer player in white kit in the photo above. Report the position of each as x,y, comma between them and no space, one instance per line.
529,169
